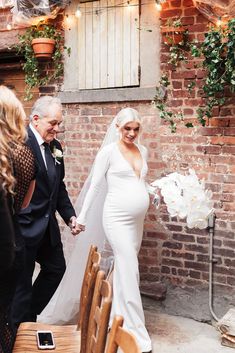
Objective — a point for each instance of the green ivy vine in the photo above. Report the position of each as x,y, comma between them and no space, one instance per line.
217,54
34,70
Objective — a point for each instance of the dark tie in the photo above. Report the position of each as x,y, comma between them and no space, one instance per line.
50,162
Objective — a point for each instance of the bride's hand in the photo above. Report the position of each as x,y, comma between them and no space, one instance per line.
75,227
78,229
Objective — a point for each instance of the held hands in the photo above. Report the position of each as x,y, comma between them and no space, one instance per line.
75,227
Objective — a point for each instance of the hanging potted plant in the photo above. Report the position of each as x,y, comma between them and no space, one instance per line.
43,47
36,65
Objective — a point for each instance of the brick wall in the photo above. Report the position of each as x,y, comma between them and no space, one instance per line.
172,256
210,150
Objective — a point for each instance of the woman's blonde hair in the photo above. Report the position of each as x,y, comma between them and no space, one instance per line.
12,133
127,115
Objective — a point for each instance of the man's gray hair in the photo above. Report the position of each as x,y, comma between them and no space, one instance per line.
43,105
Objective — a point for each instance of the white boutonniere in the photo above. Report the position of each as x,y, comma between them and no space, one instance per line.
57,154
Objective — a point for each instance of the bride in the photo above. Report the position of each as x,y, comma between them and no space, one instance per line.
113,203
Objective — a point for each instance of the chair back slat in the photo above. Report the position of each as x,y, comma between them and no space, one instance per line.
87,291
99,315
121,338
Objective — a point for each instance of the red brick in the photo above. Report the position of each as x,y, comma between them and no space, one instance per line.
183,93
176,103
171,245
228,149
223,140
189,74
193,102
171,13
195,274
184,238
200,27
172,262
201,19
177,84
197,266
229,262
165,269
187,3
196,248
209,149
231,281
182,272
187,20
188,111
175,3
191,12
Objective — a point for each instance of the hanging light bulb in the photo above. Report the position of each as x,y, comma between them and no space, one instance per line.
128,5
219,22
9,27
158,5
78,12
68,22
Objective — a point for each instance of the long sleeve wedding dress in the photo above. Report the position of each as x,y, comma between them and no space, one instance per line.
124,209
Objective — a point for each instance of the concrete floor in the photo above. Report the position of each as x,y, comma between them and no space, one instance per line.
171,334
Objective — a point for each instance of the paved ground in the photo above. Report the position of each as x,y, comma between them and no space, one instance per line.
175,334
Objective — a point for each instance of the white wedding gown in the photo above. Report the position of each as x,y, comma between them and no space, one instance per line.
124,209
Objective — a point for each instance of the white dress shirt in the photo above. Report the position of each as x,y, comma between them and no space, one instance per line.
40,142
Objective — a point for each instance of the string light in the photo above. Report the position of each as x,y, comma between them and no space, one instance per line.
68,22
68,19
219,22
78,12
158,6
91,10
128,5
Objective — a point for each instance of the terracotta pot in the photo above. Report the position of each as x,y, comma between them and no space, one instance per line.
172,35
43,47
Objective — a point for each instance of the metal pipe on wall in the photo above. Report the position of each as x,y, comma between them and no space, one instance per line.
212,261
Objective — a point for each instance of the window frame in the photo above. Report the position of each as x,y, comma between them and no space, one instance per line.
149,63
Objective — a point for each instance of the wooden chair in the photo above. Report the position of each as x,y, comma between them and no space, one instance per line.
68,338
99,315
121,338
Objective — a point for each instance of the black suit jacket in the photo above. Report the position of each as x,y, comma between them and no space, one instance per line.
40,214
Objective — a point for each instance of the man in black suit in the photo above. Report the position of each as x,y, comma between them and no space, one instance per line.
38,223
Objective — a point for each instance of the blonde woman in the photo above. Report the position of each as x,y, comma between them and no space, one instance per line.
115,203
17,170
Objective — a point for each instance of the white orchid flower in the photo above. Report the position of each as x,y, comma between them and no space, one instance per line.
185,196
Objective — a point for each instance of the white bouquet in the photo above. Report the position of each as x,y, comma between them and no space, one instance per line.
185,196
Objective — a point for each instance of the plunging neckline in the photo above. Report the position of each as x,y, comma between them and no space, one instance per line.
142,161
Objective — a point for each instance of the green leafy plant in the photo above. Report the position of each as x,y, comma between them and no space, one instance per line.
160,100
217,57
34,70
217,52
175,36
